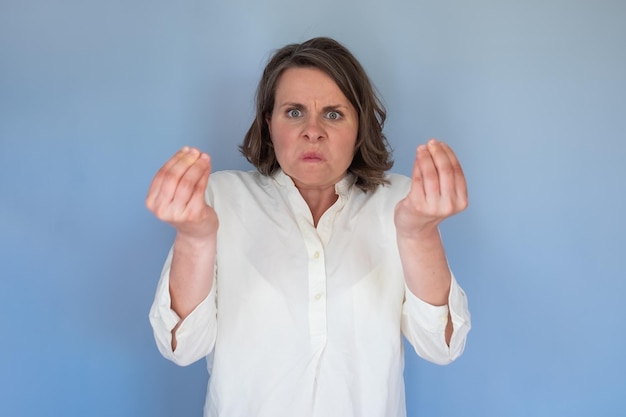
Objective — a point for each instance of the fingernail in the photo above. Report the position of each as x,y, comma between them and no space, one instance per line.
185,149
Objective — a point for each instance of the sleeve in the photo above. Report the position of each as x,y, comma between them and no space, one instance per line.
424,325
195,337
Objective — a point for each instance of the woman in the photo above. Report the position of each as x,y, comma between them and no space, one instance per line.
298,280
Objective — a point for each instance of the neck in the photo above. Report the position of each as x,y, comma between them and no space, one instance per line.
318,200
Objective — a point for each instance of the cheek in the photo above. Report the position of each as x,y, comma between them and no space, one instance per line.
280,142
351,143
347,151
282,134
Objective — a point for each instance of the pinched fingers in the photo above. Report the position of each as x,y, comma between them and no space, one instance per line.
438,173
198,194
460,183
177,182
174,174
443,177
189,194
452,185
157,181
428,167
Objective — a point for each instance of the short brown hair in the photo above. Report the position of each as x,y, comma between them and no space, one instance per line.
372,156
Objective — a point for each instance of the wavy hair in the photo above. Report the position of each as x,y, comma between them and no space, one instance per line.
372,153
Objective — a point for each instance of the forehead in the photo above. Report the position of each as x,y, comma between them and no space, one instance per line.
308,82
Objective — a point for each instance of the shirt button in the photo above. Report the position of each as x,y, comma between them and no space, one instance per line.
316,255
318,296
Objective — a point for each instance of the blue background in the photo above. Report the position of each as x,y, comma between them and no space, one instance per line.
96,95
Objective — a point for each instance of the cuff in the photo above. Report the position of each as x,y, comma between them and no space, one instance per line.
435,318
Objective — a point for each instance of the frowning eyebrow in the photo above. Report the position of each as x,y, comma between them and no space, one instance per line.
300,106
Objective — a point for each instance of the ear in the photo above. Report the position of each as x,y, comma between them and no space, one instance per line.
268,120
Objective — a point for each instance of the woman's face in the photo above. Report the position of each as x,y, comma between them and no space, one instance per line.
313,127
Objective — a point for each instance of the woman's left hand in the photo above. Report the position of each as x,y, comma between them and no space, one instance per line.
438,191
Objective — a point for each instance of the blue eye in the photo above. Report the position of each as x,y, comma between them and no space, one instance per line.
333,115
294,113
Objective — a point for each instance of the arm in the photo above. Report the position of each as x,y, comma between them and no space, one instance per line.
176,196
438,190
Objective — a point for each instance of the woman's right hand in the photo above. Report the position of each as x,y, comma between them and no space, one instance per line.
177,195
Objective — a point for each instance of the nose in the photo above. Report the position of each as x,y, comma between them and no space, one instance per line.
313,129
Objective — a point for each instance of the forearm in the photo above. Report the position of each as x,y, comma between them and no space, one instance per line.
425,266
191,274
426,270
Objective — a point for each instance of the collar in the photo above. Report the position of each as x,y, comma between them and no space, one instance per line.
342,188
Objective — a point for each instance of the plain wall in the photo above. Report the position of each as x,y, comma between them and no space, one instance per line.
96,95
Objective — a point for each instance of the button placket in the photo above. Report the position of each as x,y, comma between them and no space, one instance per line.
316,271
317,289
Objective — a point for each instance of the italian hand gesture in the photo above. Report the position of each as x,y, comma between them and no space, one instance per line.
438,191
176,195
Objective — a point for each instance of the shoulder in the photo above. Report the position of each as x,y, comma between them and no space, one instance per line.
397,180
385,197
239,187
398,184
232,175
233,178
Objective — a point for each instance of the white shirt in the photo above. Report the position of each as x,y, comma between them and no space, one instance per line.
305,321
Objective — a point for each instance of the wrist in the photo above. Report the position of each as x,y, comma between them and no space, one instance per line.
426,233
194,242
